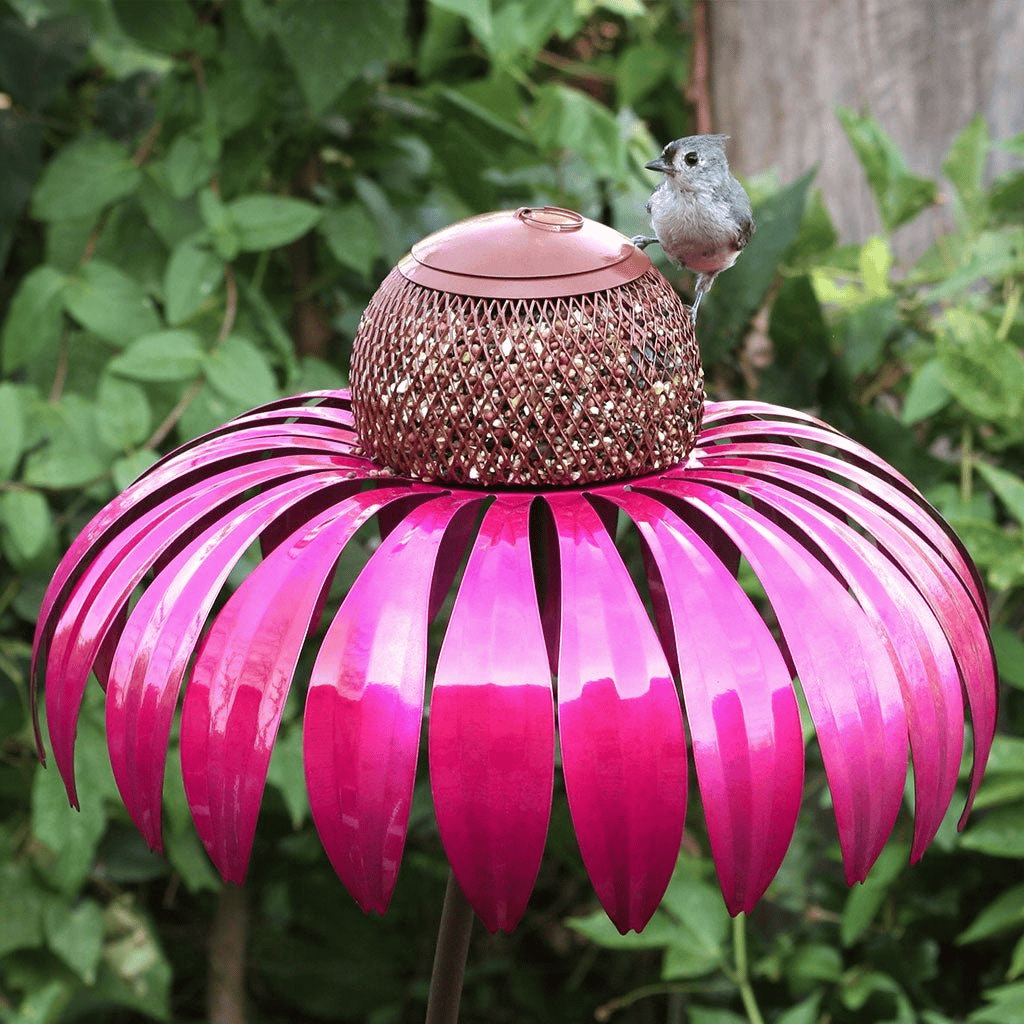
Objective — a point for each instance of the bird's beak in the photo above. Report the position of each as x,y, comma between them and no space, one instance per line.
658,164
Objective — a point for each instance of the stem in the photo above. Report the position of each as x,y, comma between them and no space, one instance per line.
225,996
450,956
739,944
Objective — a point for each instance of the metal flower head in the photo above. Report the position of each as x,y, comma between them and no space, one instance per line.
875,607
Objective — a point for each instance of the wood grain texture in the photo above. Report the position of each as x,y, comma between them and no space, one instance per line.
923,67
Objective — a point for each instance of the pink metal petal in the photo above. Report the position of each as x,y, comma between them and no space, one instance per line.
82,622
365,704
740,706
237,691
623,748
163,631
911,545
492,723
790,432
926,668
845,672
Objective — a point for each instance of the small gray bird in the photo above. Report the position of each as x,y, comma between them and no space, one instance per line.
700,214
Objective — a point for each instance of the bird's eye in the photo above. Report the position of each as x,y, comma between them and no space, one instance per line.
691,158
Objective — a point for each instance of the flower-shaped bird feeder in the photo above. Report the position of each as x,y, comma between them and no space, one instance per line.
522,382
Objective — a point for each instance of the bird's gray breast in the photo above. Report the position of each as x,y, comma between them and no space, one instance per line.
696,230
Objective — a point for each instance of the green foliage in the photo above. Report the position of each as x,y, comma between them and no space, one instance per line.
197,199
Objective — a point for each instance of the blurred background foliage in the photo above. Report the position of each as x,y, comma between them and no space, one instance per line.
196,201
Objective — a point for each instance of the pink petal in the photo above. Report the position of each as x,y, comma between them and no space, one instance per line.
856,459
237,691
926,668
845,672
161,635
365,705
740,706
81,623
909,537
492,723
623,749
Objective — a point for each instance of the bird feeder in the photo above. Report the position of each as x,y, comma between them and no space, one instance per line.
527,347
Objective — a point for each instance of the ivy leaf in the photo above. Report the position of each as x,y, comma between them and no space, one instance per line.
34,318
76,936
161,356
267,222
167,26
83,178
1003,913
110,304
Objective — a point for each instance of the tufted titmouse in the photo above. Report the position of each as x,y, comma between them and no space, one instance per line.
700,213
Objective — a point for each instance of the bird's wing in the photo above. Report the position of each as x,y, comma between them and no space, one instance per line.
746,227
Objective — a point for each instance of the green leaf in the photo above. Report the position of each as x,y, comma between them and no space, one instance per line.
76,936
811,963
640,68
43,1005
1009,655
215,216
352,237
172,219
875,263
270,325
12,430
476,12
697,946
188,165
864,901
267,222
83,178
739,291
1009,488
567,120
985,375
329,45
167,26
865,330
193,275
123,416
899,195
70,452
1016,967
28,525
239,371
1006,756
162,356
131,467
36,60
1003,913
803,1013
34,317
110,304
21,907
287,775
926,395
133,971
999,833
710,1015
190,860
800,341
964,166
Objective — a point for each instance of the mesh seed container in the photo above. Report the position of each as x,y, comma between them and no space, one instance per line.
526,347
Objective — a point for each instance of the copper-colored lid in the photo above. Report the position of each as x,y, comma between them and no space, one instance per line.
532,252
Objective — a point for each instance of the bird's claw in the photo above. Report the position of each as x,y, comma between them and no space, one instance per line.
642,241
